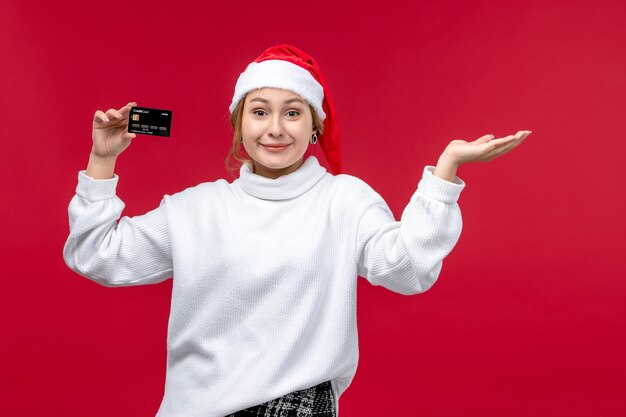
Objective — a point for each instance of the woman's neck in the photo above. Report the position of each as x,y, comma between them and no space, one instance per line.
275,173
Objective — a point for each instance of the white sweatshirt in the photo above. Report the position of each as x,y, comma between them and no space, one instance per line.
264,274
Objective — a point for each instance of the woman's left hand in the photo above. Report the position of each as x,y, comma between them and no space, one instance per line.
484,148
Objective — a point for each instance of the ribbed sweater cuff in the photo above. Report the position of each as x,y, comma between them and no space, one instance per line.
440,189
95,190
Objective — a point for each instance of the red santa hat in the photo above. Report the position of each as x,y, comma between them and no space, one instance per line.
288,68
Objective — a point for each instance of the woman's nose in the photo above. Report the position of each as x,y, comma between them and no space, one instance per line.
276,128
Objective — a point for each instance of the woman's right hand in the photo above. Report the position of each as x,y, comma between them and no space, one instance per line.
110,136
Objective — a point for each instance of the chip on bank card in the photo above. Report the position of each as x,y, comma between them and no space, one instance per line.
147,121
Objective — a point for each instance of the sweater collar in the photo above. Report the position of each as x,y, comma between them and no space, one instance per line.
285,187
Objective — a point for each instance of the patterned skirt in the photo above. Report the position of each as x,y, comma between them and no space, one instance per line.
317,401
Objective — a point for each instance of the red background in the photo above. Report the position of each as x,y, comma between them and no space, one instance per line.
528,315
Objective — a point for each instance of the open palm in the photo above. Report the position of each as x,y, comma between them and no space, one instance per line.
484,148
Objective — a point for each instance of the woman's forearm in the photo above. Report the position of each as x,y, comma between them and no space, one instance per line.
100,168
446,168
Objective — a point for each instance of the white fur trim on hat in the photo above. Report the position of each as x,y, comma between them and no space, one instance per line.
281,74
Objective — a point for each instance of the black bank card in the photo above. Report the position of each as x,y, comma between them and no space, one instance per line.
147,121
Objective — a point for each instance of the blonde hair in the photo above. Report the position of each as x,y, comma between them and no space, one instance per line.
237,155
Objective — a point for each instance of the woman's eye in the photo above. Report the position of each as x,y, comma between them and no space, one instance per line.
258,111
293,111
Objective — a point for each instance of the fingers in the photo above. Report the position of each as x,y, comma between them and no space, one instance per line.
496,144
127,107
113,114
484,139
519,138
490,143
521,135
507,144
99,116
485,148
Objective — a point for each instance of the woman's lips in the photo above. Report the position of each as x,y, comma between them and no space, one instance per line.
275,148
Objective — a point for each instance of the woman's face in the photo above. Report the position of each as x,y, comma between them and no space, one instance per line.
276,128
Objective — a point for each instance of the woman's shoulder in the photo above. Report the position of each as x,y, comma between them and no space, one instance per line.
352,188
349,182
201,191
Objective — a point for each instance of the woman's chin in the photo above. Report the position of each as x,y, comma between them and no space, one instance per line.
275,167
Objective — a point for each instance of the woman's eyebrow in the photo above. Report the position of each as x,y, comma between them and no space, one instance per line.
262,100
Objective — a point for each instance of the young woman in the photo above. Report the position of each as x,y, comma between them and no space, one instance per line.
264,268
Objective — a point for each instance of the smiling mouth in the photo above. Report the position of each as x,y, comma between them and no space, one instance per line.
275,148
